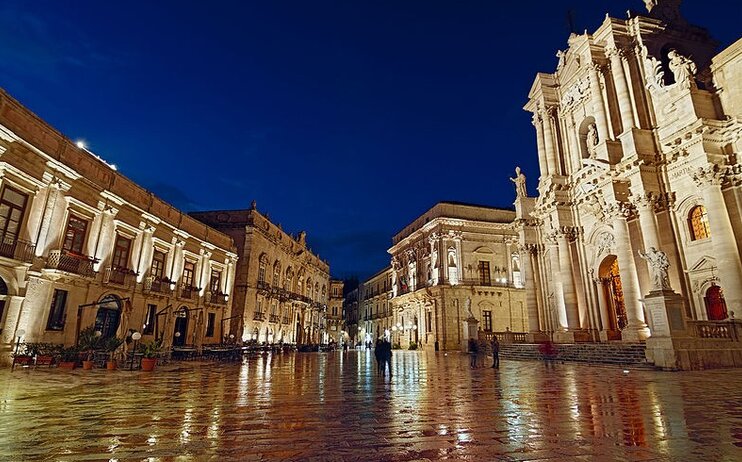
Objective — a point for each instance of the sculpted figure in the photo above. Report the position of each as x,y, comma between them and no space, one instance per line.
682,68
592,140
520,183
467,305
658,265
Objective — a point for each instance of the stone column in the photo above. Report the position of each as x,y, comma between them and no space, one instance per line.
147,250
56,186
622,88
646,207
558,290
542,164
567,276
552,160
530,251
637,329
104,246
600,288
726,250
601,121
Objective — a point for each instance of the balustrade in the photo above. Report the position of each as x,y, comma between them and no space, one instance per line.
17,249
71,262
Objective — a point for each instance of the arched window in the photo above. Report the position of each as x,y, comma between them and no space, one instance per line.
698,222
277,274
288,279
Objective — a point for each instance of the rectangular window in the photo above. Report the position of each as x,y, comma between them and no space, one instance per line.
484,273
12,209
428,321
189,268
210,321
487,315
57,311
215,284
121,252
74,235
158,264
149,320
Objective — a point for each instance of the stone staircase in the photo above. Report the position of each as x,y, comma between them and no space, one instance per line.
617,354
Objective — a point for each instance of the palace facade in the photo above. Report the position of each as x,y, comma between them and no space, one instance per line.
454,263
81,245
639,134
281,287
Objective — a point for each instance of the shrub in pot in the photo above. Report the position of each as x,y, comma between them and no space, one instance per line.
111,345
149,351
89,341
68,357
47,353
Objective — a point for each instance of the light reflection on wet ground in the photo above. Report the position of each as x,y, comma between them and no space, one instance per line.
334,406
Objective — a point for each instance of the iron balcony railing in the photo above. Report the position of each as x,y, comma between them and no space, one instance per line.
71,262
217,298
188,292
258,316
157,285
119,276
17,249
274,318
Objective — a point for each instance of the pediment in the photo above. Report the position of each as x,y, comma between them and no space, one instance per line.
704,263
484,249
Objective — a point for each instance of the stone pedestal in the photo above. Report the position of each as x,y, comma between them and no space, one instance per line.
470,331
564,337
667,312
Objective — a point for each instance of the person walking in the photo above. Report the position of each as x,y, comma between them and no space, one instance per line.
387,356
495,352
473,349
379,355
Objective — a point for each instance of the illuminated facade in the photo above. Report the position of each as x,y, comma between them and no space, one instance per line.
456,262
281,288
639,135
82,245
335,325
374,305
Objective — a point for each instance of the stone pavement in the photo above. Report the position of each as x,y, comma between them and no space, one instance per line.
334,407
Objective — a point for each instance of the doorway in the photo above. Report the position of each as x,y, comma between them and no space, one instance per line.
610,277
181,327
109,316
716,306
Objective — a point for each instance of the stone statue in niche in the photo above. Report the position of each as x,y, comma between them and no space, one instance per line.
658,265
683,69
467,305
520,183
591,140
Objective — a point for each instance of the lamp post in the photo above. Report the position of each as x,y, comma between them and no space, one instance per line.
135,336
20,333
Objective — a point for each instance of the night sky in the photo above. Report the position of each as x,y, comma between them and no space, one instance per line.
346,119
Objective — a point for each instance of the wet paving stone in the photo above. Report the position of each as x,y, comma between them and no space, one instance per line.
335,407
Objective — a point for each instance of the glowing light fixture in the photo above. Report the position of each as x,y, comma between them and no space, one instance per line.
80,144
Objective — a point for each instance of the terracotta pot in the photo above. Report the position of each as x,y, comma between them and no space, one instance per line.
67,364
87,365
111,365
148,364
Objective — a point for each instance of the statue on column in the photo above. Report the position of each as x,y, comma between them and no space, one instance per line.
520,183
467,305
682,68
658,265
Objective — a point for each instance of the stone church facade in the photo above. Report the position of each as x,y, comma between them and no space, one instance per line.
639,132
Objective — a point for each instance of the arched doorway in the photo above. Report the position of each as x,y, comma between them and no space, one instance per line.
716,306
610,278
109,316
180,332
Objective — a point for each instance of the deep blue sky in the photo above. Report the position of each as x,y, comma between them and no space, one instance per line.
347,119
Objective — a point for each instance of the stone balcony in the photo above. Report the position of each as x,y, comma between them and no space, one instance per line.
258,316
17,249
70,262
274,319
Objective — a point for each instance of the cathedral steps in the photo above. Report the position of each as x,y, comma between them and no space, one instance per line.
617,354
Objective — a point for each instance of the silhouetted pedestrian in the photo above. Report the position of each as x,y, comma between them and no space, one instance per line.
387,356
473,350
379,355
495,352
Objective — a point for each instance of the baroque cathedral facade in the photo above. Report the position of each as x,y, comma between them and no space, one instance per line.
639,132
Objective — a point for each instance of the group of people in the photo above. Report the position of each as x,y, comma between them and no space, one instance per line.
383,353
479,349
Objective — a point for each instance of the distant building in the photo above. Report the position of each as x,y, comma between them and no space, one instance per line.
455,262
639,138
375,307
350,315
281,287
81,245
335,322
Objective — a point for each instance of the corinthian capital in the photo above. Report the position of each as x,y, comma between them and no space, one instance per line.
713,175
615,210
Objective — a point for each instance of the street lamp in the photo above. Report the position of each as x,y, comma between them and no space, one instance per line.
135,336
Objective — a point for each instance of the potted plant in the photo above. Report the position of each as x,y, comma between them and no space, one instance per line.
111,345
46,353
149,352
89,341
68,357
23,356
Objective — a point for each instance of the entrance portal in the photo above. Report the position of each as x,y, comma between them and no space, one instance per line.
716,306
108,317
181,327
610,278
